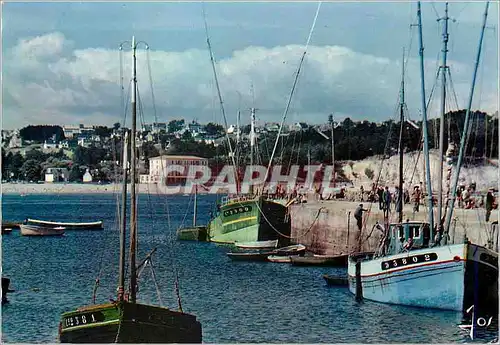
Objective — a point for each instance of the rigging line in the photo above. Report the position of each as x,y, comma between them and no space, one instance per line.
452,87
435,11
293,89
212,60
148,58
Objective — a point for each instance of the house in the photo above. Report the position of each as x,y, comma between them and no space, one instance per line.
158,169
16,140
87,177
56,175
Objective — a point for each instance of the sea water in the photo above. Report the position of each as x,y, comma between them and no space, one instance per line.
245,302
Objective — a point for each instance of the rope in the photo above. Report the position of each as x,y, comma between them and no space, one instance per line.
279,232
293,89
151,83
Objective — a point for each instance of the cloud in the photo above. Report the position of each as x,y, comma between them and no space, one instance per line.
47,80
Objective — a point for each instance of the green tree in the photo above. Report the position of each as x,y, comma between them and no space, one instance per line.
31,170
214,129
175,125
75,174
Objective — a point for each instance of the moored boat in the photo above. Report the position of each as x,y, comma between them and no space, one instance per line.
249,256
68,225
257,244
295,249
127,320
38,230
320,260
279,258
249,220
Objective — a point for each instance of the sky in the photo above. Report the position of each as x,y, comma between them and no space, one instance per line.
61,61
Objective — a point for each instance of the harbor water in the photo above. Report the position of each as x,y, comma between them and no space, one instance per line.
236,302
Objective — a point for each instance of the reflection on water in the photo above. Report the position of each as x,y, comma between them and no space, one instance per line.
235,301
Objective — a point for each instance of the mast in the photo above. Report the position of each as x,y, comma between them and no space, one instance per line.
133,215
238,129
252,140
424,122
465,131
330,119
401,118
443,69
195,205
123,225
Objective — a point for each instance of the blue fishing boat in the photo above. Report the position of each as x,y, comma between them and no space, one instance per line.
415,264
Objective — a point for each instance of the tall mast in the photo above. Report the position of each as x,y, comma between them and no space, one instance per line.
443,69
252,140
465,131
401,118
195,204
238,128
330,119
424,122
123,225
133,215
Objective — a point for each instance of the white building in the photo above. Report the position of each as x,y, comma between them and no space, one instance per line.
158,168
56,175
87,177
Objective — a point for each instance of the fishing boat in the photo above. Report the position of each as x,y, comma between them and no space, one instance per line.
257,244
249,220
195,232
251,217
68,225
414,264
126,319
39,230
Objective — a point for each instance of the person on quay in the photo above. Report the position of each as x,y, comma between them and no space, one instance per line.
358,214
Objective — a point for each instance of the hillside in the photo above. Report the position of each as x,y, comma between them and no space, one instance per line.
485,176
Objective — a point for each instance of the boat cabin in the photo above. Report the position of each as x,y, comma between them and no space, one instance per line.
407,236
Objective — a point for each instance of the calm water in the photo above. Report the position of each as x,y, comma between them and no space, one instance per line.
235,301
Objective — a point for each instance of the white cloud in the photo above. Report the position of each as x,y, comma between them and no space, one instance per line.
48,81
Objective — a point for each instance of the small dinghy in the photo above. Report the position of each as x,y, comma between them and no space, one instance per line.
249,256
280,259
320,260
37,230
335,280
257,244
74,226
296,249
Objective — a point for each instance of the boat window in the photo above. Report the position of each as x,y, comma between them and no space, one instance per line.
401,233
416,232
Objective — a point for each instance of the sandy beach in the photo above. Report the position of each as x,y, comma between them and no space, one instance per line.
69,188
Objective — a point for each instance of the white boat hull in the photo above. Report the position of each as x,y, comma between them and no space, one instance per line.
34,230
257,244
431,277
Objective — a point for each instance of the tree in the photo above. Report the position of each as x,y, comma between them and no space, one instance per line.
214,129
31,170
40,133
116,126
75,174
175,125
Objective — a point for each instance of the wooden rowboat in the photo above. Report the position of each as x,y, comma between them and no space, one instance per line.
257,244
37,230
68,225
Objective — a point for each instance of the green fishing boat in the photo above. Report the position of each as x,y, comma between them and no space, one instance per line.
250,220
126,320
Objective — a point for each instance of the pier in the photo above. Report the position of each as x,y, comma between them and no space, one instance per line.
329,227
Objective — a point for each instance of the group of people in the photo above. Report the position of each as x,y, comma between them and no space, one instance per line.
385,198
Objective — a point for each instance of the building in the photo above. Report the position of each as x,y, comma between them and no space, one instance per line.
56,175
158,169
87,177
